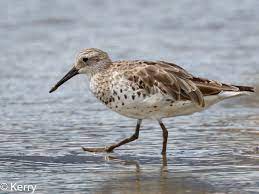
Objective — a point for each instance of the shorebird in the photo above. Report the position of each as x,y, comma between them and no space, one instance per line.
141,89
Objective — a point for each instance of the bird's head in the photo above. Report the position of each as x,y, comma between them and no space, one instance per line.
88,61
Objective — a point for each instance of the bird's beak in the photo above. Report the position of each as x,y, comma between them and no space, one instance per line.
69,75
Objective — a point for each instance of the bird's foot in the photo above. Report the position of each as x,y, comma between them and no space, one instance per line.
99,149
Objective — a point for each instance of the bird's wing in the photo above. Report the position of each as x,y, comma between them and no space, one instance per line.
207,87
175,81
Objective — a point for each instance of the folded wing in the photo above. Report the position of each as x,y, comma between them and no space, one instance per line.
173,80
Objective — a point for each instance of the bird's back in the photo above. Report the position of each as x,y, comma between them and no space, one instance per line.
147,89
172,77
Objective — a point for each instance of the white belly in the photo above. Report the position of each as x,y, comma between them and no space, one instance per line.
157,106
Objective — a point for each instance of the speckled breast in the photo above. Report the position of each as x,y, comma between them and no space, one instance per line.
128,99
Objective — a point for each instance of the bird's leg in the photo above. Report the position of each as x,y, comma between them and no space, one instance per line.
127,140
165,136
112,147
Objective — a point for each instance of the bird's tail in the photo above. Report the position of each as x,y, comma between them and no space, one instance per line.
245,88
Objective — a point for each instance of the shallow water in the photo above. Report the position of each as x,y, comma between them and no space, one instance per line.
216,151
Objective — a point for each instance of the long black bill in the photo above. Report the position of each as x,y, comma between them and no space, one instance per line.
69,75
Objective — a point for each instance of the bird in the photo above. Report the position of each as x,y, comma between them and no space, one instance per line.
142,89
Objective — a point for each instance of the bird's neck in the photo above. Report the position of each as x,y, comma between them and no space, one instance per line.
100,69
100,85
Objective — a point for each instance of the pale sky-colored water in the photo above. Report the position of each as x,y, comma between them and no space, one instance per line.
41,134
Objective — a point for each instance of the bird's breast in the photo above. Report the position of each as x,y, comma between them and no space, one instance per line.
130,100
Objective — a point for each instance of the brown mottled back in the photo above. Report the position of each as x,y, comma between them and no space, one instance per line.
171,79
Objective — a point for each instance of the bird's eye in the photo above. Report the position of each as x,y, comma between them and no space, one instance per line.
85,59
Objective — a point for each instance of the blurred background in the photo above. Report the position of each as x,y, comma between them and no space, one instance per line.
216,151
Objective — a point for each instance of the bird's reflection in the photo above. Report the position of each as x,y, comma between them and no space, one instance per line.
147,177
138,175
123,161
126,162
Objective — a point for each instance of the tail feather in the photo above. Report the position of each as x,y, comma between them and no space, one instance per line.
245,88
242,90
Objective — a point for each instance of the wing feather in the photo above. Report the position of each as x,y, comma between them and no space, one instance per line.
171,79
